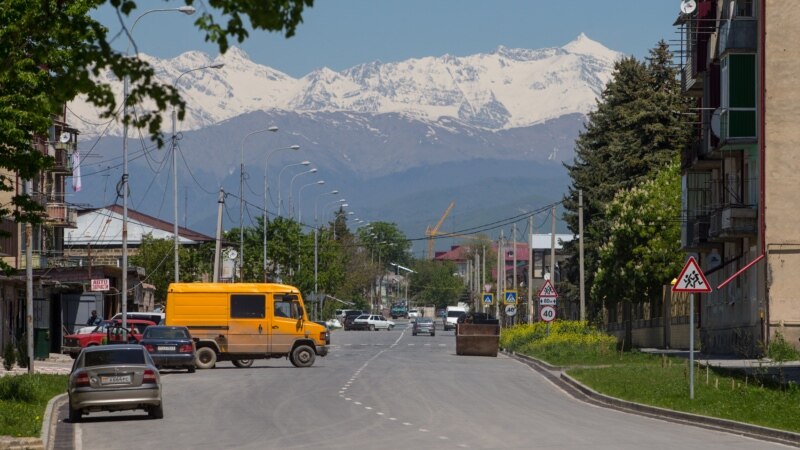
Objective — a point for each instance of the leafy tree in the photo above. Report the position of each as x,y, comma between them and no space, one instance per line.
435,283
635,131
51,51
643,251
155,256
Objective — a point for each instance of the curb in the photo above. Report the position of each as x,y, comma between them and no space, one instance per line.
47,423
586,394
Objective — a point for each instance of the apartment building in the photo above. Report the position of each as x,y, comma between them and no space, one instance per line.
740,184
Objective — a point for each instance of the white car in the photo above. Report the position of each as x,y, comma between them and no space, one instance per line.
373,322
413,313
333,323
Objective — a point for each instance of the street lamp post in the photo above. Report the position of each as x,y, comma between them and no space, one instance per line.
175,168
188,10
291,184
266,190
300,198
280,202
316,233
241,200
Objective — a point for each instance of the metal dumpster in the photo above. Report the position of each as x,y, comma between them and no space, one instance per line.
478,339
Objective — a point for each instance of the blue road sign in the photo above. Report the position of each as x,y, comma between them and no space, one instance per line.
510,296
488,299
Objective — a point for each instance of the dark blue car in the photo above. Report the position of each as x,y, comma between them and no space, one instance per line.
170,347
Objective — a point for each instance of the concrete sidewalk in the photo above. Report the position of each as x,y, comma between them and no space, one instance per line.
56,363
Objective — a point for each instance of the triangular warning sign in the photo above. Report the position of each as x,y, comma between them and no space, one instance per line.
548,290
691,279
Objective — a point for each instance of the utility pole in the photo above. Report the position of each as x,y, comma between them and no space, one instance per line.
477,278
29,284
483,272
218,246
530,269
499,275
514,239
552,251
580,255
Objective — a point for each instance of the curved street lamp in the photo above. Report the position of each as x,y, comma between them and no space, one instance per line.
188,10
280,202
291,184
300,198
272,129
266,190
175,231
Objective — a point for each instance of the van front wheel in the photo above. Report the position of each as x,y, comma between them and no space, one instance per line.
242,363
206,358
303,356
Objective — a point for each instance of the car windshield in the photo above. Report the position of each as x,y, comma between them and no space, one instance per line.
455,313
165,333
113,356
425,320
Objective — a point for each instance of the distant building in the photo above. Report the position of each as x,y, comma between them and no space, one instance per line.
740,175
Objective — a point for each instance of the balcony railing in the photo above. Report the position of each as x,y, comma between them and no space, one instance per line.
46,260
63,159
733,222
61,215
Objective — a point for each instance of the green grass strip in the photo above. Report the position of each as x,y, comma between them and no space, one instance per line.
23,400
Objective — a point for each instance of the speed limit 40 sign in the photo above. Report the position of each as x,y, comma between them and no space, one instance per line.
547,313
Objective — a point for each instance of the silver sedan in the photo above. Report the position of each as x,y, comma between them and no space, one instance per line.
114,378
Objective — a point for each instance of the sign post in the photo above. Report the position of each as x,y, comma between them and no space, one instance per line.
691,280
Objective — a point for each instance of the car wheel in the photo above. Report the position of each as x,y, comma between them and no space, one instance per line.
74,414
303,356
156,412
372,328
242,363
206,358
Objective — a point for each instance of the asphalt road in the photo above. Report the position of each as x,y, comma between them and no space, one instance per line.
385,390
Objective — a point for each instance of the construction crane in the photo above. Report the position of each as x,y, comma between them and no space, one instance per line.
431,232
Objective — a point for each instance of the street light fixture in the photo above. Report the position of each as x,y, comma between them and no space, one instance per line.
266,190
300,198
280,203
291,184
188,10
175,168
272,129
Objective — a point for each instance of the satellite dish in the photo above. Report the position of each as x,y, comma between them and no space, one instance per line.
688,6
232,254
65,137
715,121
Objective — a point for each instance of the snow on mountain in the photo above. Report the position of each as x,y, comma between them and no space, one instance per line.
504,89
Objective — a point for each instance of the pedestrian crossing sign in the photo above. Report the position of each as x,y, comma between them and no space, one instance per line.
510,296
488,299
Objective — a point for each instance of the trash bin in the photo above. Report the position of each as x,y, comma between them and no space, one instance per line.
41,343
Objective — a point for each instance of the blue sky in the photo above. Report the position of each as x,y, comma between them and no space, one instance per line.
342,33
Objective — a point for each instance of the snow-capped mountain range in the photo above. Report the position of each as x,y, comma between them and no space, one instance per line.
505,89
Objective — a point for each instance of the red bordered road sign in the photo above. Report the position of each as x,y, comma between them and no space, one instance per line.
548,290
691,278
547,313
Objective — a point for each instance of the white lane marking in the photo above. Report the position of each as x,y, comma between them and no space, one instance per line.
392,418
347,398
356,403
463,445
77,437
423,430
379,413
442,345
408,424
444,438
368,407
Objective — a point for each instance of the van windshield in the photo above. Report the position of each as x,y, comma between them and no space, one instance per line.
455,313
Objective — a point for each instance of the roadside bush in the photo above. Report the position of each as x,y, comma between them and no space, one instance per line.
9,356
566,341
18,388
23,399
781,351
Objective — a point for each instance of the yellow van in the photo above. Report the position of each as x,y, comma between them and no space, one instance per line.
240,322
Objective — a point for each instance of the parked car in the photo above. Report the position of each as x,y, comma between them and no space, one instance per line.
424,325
373,322
153,316
413,313
348,322
73,343
333,323
170,347
114,378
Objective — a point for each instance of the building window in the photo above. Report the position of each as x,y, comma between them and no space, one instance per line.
744,8
738,85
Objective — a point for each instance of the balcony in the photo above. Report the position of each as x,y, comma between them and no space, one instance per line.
738,36
695,236
63,160
61,215
46,260
691,80
733,222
